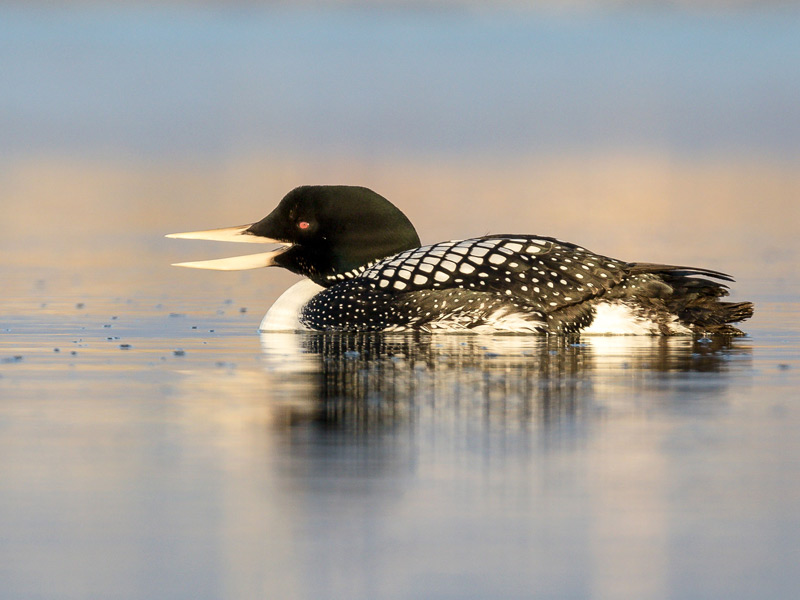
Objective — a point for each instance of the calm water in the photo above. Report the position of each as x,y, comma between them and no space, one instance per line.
178,454
153,445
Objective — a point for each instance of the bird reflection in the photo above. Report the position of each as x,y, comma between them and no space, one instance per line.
367,381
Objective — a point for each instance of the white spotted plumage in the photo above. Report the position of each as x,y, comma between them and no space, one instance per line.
366,256
480,282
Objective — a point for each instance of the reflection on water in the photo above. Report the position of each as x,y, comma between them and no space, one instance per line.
362,382
366,466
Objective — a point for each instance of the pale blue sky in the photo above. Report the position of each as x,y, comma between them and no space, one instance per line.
183,80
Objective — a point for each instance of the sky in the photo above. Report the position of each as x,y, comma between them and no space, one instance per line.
150,82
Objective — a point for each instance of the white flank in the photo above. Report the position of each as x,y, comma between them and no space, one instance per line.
620,319
284,315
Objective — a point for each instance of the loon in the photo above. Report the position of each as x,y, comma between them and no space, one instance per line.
366,270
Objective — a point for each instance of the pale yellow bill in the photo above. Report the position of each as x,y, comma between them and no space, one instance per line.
235,263
226,234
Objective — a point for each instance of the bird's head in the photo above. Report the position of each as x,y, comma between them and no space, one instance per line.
325,233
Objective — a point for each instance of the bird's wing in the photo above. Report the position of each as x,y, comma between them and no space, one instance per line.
543,273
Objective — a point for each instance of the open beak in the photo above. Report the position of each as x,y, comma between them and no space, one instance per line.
234,263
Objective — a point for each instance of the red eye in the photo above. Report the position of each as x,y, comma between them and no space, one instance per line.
303,224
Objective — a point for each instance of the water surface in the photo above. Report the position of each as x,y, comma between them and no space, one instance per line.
163,454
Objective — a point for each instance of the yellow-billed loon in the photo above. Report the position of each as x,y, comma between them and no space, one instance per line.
366,271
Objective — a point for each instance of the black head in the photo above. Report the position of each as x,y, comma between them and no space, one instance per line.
334,230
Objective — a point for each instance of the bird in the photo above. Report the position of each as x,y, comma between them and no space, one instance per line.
365,270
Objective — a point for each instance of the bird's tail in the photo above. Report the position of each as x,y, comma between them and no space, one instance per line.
695,298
